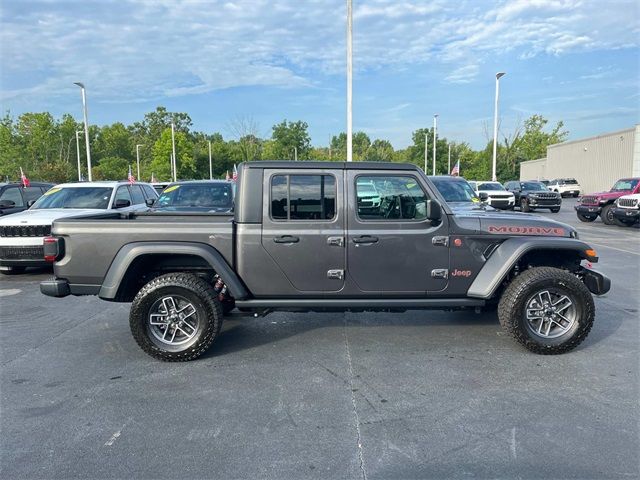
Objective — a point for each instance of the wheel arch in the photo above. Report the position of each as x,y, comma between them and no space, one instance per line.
137,259
523,252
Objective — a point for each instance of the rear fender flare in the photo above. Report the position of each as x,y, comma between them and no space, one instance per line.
505,257
130,252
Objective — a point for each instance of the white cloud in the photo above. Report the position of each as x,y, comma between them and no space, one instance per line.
147,49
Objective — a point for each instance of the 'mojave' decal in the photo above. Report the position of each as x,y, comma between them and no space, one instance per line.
526,230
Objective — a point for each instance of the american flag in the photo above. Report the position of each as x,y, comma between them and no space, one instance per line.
130,177
235,173
455,171
25,180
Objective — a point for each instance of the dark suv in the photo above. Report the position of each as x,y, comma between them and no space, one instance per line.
15,198
533,194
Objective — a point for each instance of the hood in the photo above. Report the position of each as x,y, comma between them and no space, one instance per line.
45,216
609,194
517,223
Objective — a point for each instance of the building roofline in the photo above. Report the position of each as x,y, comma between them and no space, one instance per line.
595,137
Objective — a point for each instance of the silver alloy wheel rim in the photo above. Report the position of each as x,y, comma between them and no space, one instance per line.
173,320
550,314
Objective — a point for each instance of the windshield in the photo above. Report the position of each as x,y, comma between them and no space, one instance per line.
208,195
490,186
75,197
533,186
622,185
455,190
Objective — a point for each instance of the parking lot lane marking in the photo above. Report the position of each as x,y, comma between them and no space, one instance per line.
114,437
353,401
513,443
10,291
614,248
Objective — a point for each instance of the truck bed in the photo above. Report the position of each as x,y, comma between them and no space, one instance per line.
96,239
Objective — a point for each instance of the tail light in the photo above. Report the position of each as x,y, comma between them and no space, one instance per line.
53,248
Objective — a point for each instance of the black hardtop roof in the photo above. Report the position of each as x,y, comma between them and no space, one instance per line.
288,164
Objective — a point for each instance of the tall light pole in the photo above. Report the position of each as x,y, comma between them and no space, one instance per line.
349,80
210,163
449,160
86,125
173,148
435,138
78,154
171,164
138,159
295,154
426,151
495,126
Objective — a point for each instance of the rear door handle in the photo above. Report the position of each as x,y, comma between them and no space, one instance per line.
365,239
286,239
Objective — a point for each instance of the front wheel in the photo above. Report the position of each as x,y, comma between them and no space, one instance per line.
555,210
176,317
607,215
548,310
586,218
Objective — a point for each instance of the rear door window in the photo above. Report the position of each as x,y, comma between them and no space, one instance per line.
303,197
123,194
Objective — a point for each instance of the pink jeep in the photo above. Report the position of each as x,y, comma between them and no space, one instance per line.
594,204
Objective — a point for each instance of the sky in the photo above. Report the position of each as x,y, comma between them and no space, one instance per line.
269,60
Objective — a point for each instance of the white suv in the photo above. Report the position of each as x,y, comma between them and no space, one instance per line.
496,195
566,187
22,234
626,212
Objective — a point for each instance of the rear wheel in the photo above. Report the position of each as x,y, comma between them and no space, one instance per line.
586,218
607,215
547,310
524,205
176,317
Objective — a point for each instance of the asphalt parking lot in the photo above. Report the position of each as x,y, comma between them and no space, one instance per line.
362,396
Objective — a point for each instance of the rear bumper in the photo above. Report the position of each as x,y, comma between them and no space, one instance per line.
18,262
55,287
592,210
626,214
596,282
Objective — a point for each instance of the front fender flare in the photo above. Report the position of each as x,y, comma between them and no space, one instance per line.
127,254
504,258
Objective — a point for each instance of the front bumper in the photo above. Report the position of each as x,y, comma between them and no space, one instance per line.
626,214
501,202
533,203
596,282
588,209
55,287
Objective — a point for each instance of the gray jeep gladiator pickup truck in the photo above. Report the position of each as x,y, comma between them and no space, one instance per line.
313,236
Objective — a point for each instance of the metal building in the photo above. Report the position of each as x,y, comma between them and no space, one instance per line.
596,162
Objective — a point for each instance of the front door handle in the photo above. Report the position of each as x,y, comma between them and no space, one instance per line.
362,239
286,239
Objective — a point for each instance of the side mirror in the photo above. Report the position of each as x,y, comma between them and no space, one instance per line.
30,203
7,204
483,196
121,203
150,201
434,210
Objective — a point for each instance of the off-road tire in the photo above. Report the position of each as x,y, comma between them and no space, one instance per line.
513,303
576,195
607,215
13,270
586,218
555,210
622,223
524,205
202,296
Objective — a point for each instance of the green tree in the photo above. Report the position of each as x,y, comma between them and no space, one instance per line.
380,151
113,168
288,136
162,149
